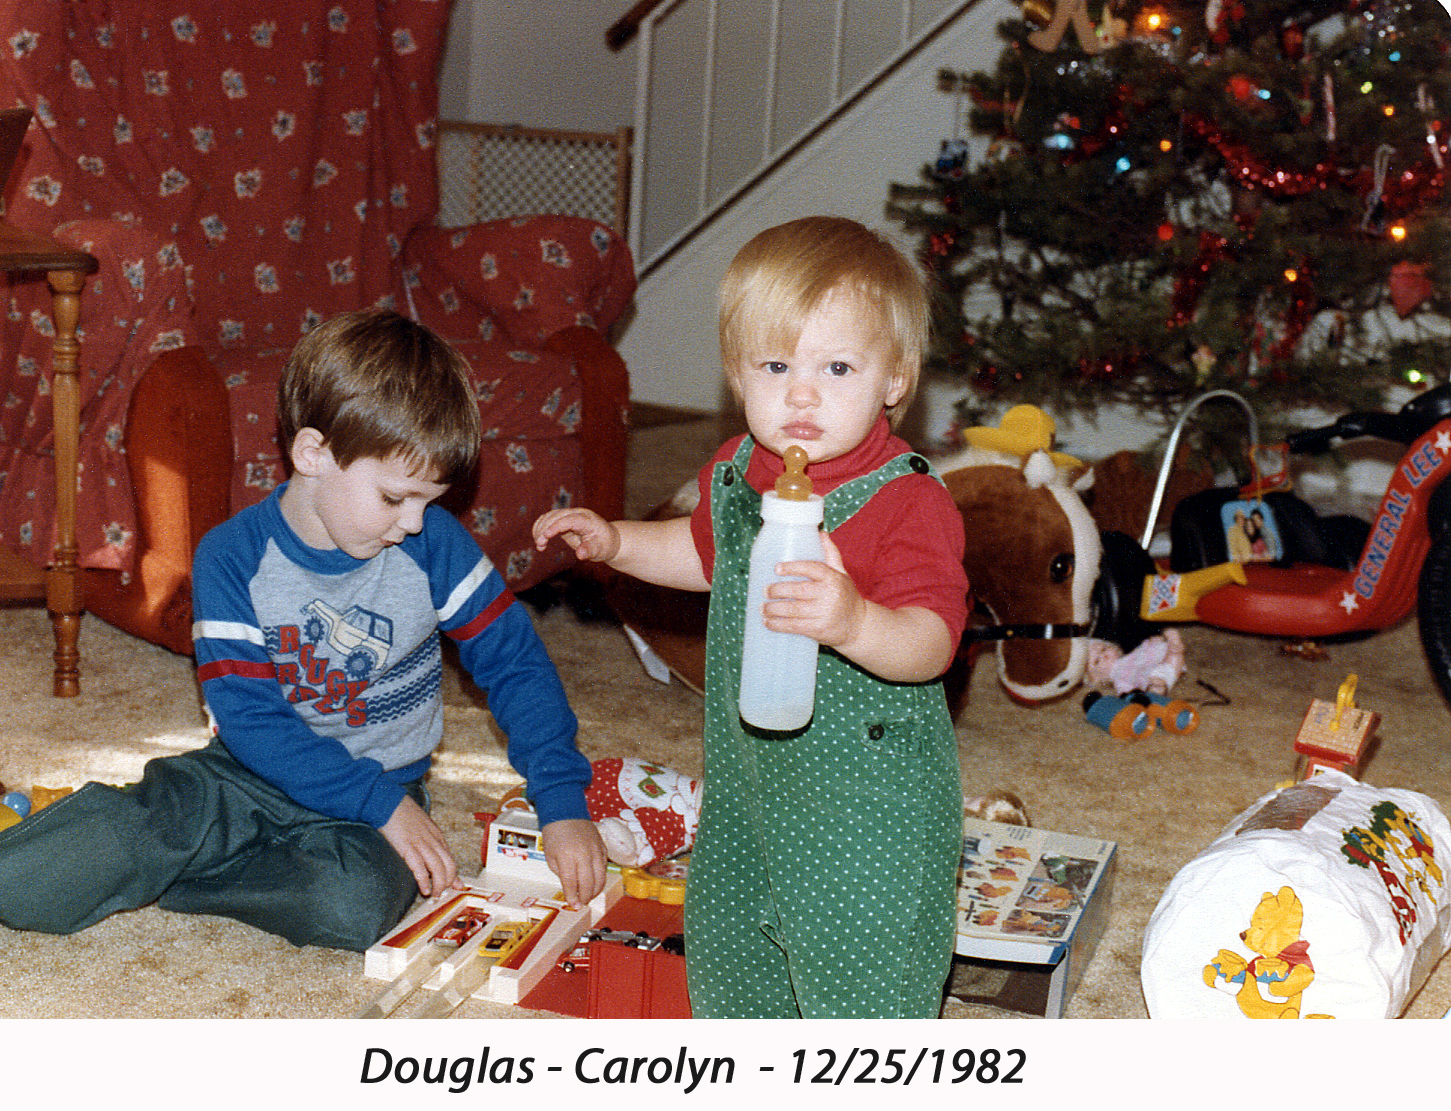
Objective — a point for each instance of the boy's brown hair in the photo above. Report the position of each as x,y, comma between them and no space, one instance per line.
782,275
377,384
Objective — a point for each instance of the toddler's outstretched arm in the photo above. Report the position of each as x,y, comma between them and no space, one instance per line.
661,552
590,535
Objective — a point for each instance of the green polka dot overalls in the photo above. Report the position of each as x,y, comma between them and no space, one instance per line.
823,879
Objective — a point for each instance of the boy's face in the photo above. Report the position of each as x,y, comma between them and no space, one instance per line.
369,505
825,394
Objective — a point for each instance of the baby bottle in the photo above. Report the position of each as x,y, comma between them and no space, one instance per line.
778,670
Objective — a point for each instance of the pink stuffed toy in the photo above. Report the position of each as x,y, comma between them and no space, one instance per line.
644,812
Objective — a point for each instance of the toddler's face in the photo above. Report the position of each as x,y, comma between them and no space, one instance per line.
826,393
370,504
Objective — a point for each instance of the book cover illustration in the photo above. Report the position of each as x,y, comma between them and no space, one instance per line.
1022,883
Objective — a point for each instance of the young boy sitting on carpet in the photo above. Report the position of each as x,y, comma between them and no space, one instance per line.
317,614
822,882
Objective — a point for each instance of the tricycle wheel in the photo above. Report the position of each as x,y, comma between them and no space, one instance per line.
1119,592
1433,610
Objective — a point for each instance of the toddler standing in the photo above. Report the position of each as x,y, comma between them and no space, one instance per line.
822,883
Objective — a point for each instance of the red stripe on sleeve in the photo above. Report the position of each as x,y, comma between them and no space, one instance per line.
484,619
247,669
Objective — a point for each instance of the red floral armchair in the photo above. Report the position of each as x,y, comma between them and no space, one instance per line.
244,171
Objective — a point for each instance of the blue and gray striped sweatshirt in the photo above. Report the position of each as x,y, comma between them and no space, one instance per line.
323,673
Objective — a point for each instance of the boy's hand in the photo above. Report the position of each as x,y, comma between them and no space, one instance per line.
825,606
418,840
589,534
574,852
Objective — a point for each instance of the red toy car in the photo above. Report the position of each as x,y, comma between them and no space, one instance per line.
578,957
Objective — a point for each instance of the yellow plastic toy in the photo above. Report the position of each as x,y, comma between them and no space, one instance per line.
663,881
1336,735
1022,430
1171,596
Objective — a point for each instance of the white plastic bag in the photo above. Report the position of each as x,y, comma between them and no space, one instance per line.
1326,899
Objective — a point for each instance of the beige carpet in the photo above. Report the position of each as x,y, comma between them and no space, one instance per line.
1161,799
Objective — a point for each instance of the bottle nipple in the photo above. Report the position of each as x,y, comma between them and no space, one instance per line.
793,485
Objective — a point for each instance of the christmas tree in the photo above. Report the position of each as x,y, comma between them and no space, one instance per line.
1251,196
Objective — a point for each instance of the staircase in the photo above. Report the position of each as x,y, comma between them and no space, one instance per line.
729,90
753,112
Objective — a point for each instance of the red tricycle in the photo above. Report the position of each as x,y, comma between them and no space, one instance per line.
1267,563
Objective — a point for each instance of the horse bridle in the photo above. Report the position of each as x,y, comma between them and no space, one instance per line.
1044,631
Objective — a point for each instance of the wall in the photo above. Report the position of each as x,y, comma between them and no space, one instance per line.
507,62
503,65
540,64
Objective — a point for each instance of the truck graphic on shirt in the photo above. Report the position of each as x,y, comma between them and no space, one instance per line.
360,636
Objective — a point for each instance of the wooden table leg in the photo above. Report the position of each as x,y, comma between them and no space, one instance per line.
63,592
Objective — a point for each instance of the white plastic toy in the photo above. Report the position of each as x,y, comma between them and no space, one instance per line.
495,939
1326,899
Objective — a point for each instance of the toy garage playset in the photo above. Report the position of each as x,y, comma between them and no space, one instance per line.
509,937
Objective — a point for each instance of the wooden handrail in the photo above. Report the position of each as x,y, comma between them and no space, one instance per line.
624,28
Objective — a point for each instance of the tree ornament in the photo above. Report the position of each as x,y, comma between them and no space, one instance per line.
1203,360
951,161
1054,19
1243,88
1409,286
1374,220
1292,42
941,244
1003,149
1427,107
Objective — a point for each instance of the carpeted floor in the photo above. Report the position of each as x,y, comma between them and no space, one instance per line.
1161,799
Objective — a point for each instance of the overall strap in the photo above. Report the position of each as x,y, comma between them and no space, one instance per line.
727,472
843,502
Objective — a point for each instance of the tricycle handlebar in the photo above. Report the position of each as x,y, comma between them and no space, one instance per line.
1414,418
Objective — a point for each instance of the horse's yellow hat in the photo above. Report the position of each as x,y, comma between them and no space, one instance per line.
1022,430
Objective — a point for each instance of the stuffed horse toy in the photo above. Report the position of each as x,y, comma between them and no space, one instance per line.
1032,554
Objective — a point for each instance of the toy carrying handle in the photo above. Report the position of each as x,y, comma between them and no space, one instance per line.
515,799
1382,426
1344,699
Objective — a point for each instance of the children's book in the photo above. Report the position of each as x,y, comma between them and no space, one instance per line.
1023,894
1031,906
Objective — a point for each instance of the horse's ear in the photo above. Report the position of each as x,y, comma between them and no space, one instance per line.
1039,470
1081,479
